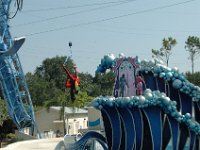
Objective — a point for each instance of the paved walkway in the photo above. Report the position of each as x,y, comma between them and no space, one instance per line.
39,144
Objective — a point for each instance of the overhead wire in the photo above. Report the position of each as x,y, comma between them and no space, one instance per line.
75,6
111,18
74,13
143,11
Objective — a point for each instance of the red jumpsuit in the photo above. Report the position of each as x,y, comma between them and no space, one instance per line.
73,82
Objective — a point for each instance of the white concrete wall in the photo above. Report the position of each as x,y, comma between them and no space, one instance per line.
76,124
45,121
49,121
22,136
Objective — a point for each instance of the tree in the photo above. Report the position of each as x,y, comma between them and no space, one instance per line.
165,51
3,112
48,80
88,85
6,125
51,69
38,89
6,129
193,78
104,83
86,81
82,100
193,47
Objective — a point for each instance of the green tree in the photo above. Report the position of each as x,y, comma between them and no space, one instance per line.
105,83
48,80
88,84
193,47
40,89
86,81
6,125
193,78
82,100
51,69
3,112
165,51
6,129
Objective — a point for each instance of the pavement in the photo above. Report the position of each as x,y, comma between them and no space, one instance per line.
38,144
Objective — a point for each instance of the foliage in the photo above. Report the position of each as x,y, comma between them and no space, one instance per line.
11,136
3,112
105,83
6,125
38,88
86,81
82,99
165,51
46,85
5,130
51,70
193,47
193,78
62,99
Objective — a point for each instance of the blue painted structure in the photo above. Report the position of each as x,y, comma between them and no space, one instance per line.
12,81
94,123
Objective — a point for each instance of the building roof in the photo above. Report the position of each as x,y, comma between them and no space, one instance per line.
70,110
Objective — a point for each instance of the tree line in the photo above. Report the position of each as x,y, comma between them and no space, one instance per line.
47,83
192,46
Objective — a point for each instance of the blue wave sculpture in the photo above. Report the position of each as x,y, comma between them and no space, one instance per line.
131,121
94,123
82,143
165,116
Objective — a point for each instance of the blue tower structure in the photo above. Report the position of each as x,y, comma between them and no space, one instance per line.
12,80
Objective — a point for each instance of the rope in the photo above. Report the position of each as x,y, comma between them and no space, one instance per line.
70,55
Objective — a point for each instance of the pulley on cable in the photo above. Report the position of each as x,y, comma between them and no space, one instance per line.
72,81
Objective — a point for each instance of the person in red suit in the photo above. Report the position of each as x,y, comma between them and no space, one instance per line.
73,82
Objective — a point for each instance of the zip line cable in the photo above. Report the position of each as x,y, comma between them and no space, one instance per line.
111,18
75,13
75,6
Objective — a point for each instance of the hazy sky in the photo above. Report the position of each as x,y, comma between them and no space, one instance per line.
99,27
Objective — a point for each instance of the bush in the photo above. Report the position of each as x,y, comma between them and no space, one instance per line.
10,136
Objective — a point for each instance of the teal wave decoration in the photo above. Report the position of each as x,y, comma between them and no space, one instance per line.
94,123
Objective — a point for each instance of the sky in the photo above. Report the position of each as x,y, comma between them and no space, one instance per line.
100,27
